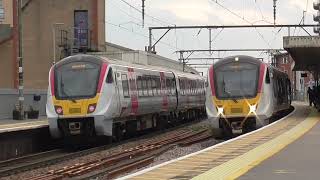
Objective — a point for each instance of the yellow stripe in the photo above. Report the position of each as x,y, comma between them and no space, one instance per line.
242,164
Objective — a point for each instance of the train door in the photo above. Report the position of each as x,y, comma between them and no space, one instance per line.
123,91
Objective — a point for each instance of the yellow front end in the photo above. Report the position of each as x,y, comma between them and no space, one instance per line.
237,115
75,108
237,107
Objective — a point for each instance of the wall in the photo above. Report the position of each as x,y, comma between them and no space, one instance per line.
8,18
38,19
9,99
6,69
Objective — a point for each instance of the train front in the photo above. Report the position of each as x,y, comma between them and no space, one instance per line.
234,94
73,106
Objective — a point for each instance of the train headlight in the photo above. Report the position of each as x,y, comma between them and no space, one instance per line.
253,108
92,108
220,110
59,110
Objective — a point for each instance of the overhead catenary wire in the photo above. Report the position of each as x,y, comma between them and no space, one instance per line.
140,11
137,33
244,19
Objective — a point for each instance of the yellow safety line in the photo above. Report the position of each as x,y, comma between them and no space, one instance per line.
242,164
24,123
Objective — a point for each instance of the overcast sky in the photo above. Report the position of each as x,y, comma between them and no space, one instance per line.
123,24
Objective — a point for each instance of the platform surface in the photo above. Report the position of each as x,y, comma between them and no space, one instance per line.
9,125
299,160
234,158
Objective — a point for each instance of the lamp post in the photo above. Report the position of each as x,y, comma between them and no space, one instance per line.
54,39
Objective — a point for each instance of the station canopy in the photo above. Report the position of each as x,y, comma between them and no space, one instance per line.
305,51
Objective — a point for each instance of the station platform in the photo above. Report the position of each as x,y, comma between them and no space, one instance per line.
285,149
9,125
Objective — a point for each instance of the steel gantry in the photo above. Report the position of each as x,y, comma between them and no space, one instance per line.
184,61
151,46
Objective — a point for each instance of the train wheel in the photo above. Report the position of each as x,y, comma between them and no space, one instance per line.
162,122
118,133
249,125
226,130
131,128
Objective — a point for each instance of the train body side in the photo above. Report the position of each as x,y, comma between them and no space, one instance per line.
125,93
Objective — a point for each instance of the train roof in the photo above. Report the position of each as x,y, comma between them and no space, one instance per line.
100,59
242,58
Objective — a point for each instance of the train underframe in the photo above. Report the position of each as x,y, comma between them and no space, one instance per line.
230,127
83,130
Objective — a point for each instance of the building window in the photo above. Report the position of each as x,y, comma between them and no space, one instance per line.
1,11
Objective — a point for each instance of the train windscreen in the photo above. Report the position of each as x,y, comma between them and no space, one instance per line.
77,80
237,80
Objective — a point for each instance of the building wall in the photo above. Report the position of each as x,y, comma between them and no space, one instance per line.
38,19
6,69
8,16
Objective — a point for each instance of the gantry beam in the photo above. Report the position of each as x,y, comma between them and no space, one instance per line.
151,47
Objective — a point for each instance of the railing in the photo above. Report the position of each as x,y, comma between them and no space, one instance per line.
79,43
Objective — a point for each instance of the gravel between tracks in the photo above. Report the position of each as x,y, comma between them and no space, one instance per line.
177,152
171,154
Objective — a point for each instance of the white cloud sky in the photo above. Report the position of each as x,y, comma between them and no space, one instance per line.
204,12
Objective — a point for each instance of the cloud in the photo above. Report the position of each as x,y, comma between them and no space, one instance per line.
302,5
207,12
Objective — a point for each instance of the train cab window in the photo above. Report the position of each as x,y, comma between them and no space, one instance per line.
139,84
268,76
125,85
109,78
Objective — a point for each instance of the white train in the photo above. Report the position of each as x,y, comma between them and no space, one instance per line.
92,96
243,93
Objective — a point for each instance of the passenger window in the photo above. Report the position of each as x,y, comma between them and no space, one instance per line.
144,87
139,83
125,85
168,85
154,86
158,85
267,77
150,87
109,78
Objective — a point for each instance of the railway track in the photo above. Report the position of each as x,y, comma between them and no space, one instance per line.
125,160
34,161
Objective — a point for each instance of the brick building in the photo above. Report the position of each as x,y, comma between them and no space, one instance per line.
70,26
300,80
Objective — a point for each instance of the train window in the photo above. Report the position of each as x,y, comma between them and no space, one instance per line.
144,86
139,83
168,85
181,86
158,86
154,86
173,87
109,78
150,87
125,85
268,76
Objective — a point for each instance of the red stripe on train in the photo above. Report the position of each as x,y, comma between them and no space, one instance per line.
52,81
102,74
211,79
261,75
